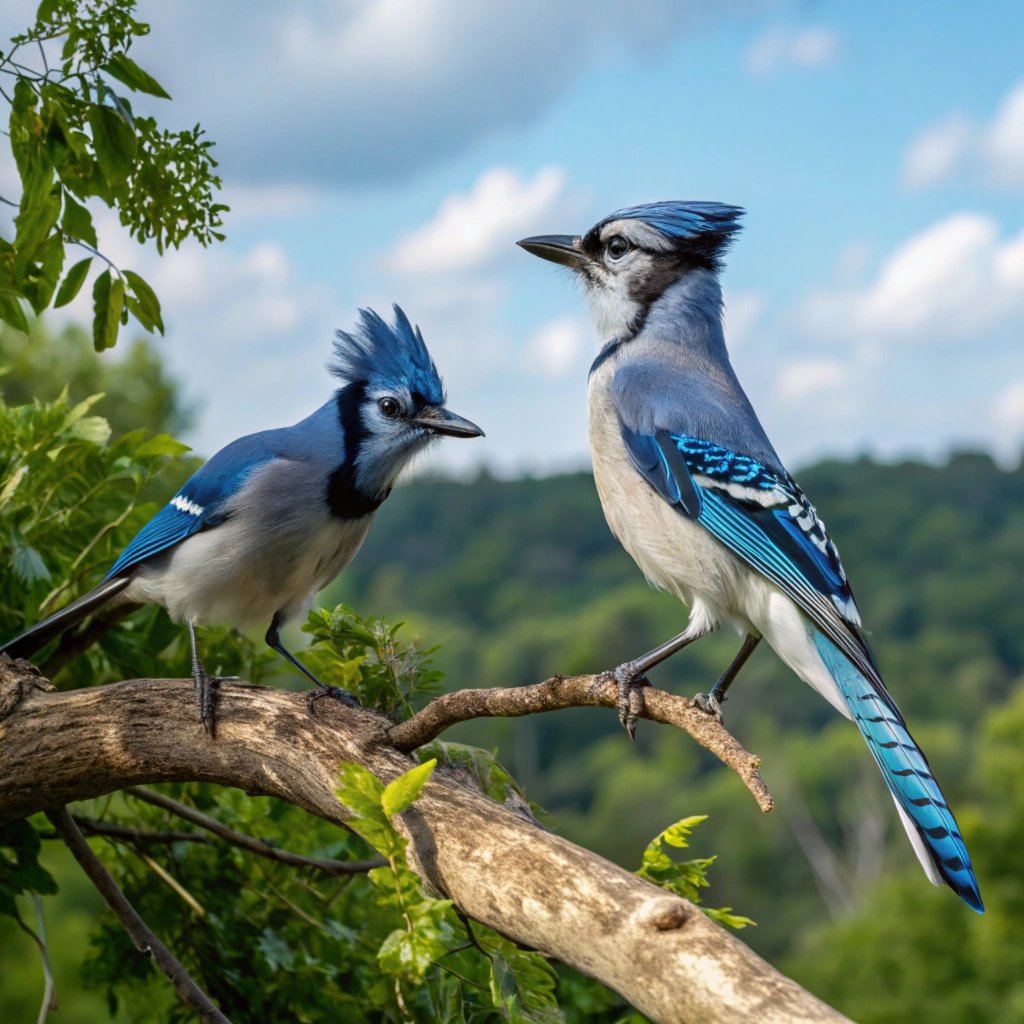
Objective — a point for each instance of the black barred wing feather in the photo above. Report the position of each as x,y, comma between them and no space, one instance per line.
764,518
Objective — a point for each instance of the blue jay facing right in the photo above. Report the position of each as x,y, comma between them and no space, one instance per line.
272,518
693,489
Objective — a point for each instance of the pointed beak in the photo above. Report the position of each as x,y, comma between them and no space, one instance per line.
564,249
444,421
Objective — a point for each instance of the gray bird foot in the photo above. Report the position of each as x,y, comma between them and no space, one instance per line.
206,686
337,693
709,704
629,700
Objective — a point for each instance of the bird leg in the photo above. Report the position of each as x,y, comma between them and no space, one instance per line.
712,702
631,677
273,640
205,684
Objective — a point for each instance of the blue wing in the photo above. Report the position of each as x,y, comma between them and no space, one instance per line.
203,502
764,518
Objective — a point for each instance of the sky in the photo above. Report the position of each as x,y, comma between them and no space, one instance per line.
394,150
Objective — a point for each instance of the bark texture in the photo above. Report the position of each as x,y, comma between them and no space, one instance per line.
659,951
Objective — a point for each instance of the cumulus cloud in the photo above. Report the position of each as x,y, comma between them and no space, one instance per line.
556,348
359,93
470,229
778,49
991,150
743,312
1008,410
806,377
951,281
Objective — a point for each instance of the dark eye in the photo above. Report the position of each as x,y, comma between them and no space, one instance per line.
389,407
617,247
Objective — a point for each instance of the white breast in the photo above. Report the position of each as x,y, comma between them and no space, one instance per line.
271,555
674,553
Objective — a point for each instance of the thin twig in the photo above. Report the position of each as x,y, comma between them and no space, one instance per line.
561,692
133,836
250,843
145,940
49,1002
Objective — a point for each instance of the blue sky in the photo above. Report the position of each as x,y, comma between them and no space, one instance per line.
394,150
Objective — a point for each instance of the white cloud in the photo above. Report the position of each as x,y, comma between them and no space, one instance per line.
938,152
1008,410
556,348
806,377
992,150
347,92
743,311
470,229
777,49
952,281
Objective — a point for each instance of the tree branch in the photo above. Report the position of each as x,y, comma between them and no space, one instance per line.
596,691
145,941
251,843
659,951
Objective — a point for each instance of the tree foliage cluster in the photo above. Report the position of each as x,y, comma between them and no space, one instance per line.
77,142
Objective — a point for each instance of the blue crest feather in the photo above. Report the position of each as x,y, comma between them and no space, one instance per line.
701,229
380,353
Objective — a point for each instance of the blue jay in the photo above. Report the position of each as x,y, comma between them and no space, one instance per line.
272,518
693,489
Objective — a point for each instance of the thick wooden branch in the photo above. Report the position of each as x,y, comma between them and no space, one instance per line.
596,691
659,951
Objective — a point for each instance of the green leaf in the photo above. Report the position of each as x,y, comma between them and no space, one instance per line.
77,221
11,485
72,283
115,144
125,70
27,563
12,313
398,796
91,428
34,223
107,303
519,1003
410,952
148,303
160,444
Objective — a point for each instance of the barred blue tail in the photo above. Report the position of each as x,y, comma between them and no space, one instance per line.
925,814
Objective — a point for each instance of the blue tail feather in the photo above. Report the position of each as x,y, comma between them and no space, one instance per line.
906,773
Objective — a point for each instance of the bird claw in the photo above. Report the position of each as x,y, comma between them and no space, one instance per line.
206,687
629,700
709,704
338,693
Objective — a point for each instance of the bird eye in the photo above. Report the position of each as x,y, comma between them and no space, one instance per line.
617,247
389,407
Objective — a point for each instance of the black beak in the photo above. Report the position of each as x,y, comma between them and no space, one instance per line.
443,421
564,249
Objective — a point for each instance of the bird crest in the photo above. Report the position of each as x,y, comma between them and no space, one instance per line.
703,230
382,353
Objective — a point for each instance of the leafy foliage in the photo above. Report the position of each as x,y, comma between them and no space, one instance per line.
432,949
366,658
684,878
75,138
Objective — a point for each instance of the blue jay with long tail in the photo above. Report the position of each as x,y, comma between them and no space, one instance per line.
693,489
272,518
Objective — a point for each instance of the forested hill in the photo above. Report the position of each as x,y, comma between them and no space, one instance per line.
518,579
935,554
